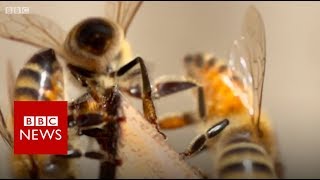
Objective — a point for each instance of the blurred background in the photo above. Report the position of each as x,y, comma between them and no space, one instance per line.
164,32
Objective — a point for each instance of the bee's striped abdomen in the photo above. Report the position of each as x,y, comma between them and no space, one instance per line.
40,79
242,158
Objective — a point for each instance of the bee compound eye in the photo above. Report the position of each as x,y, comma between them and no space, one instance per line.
199,61
188,59
95,35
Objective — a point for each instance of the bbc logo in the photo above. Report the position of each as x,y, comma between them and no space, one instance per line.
40,120
17,10
39,126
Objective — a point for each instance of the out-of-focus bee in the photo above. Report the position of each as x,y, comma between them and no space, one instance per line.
93,51
244,145
40,79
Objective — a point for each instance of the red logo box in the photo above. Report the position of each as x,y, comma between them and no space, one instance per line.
40,127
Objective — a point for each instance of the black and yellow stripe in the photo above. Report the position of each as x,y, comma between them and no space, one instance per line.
242,158
40,79
85,112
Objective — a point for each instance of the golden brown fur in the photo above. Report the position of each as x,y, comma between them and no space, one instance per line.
222,90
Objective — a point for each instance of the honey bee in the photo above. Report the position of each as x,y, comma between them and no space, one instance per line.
94,52
40,79
242,142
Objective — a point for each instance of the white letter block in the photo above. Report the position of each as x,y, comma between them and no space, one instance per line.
28,121
41,120
52,121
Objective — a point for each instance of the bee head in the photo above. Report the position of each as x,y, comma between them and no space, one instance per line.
194,63
95,41
95,36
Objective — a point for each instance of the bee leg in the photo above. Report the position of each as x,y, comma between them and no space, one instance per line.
78,103
76,119
166,88
80,74
178,120
107,136
187,118
72,153
170,87
110,145
147,102
162,88
202,104
199,142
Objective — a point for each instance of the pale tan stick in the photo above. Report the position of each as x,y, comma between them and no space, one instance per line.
145,153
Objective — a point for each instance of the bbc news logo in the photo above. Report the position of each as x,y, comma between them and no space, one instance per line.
40,127
17,10
40,121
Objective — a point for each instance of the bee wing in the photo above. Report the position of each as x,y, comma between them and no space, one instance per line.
4,132
11,82
3,125
248,58
123,12
32,29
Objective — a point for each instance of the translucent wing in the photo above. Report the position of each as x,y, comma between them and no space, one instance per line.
238,62
3,126
32,29
11,83
123,12
4,132
248,58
